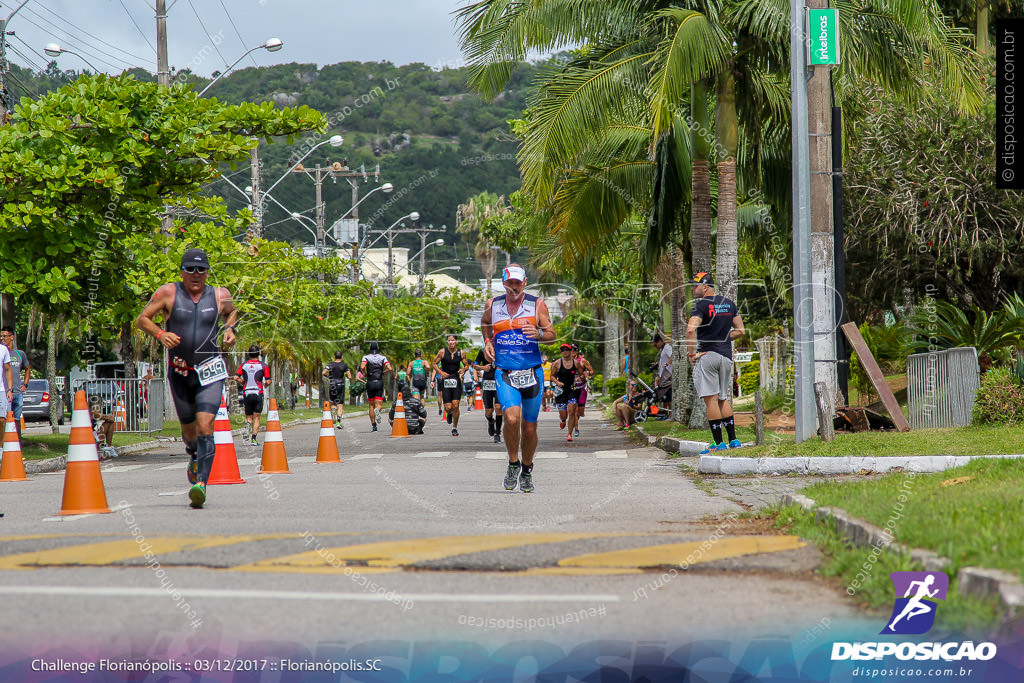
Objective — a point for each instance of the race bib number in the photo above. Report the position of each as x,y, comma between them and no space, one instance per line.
490,385
557,390
522,379
451,383
212,370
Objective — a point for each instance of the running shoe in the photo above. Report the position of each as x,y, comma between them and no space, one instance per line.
455,432
247,430
722,447
526,482
512,476
569,438
440,411
497,438
576,433
490,427
197,494
374,427
448,418
376,411
254,442
561,425
711,448
735,443
620,428
193,470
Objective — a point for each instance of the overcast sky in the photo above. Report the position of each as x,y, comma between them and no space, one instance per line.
115,34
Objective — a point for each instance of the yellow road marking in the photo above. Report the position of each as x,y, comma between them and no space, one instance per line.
690,553
110,552
390,555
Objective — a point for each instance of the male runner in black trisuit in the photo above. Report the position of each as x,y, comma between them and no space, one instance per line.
336,373
489,389
451,363
192,311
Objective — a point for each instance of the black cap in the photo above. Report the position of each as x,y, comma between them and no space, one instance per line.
703,279
195,257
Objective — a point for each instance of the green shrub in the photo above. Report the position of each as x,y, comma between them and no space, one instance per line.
597,381
750,377
1000,399
616,387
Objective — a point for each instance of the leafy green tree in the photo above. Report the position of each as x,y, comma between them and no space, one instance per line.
471,220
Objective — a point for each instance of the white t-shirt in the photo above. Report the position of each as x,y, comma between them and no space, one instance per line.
664,359
5,360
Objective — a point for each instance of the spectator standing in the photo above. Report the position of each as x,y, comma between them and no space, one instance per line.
20,372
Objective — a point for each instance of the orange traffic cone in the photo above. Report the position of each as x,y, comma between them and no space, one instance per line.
275,461
13,467
327,449
120,417
83,483
225,462
479,404
399,427
22,423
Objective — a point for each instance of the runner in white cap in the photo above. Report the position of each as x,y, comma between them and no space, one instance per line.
513,324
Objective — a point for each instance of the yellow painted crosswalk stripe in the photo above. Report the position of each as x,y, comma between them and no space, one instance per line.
676,554
391,555
111,552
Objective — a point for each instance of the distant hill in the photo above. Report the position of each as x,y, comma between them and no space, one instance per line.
435,142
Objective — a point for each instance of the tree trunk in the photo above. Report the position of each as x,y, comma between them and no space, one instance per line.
700,184
611,346
727,274
128,351
51,373
981,29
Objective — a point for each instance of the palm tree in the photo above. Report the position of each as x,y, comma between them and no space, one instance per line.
470,220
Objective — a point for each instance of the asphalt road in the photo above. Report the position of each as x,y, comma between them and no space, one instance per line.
406,541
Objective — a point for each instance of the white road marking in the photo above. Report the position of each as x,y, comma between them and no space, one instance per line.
221,594
120,468
71,518
547,455
487,455
611,454
172,467
172,493
366,456
433,454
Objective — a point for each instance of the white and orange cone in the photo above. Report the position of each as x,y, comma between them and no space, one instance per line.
399,427
120,417
83,483
225,461
13,467
275,460
479,403
327,448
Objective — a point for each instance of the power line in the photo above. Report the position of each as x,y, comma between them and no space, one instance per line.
207,32
32,8
29,60
77,48
245,46
141,32
28,91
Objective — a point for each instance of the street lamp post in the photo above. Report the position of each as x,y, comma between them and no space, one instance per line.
414,216
55,50
259,197
272,45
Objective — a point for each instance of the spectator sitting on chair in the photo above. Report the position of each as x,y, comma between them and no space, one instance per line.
415,413
103,430
623,406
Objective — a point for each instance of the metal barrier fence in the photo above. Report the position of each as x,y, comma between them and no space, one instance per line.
137,405
941,387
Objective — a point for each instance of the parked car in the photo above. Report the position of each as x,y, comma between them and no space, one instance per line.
37,401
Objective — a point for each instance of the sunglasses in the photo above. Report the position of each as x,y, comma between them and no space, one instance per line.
194,269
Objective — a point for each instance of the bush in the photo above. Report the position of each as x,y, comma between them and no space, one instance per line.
616,387
750,377
1000,399
597,381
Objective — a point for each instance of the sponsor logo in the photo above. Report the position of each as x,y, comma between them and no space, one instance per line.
913,613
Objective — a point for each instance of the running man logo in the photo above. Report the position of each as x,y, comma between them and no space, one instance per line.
914,612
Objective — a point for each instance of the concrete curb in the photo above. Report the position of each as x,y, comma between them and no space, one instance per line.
58,463
725,464
975,582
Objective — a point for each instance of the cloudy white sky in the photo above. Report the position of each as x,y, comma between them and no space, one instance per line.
116,34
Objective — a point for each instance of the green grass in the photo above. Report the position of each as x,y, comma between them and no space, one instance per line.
866,573
979,522
975,440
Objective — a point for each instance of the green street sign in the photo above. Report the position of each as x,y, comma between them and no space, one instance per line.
823,36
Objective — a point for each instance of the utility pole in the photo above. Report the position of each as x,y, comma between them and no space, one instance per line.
422,232
803,323
255,230
819,115
354,213
163,71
